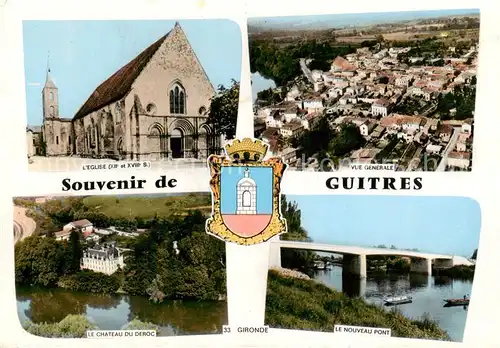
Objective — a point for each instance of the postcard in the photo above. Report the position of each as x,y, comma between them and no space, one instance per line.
118,263
377,265
385,91
99,92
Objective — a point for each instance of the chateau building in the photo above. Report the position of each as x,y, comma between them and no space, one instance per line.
105,258
154,107
247,195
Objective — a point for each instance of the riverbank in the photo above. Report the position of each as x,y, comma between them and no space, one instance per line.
458,272
76,326
299,303
45,311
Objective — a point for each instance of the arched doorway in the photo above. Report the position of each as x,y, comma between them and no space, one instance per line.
155,142
177,143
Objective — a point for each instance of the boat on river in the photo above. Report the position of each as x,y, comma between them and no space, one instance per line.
452,302
397,300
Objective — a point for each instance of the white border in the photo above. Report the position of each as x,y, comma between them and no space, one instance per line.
480,184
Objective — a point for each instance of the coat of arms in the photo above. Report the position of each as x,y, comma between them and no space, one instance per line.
245,194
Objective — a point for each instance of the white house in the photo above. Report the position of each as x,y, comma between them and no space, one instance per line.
404,122
275,119
293,93
85,226
289,155
93,236
62,235
311,105
366,127
380,107
105,258
459,159
434,149
467,127
291,130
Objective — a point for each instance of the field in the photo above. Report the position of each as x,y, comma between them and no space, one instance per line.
147,207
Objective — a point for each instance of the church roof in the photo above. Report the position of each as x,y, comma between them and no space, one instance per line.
120,83
48,81
34,129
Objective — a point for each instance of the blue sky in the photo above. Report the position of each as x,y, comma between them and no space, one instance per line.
447,225
263,177
85,53
350,19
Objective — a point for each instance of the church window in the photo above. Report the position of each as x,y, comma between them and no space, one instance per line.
247,198
177,100
181,102
69,140
51,96
57,140
151,108
202,110
51,111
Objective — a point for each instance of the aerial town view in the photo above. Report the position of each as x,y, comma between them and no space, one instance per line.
118,263
392,90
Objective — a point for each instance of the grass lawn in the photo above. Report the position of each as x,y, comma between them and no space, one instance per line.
309,305
146,207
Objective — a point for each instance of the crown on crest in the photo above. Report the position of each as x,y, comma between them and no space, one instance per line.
246,150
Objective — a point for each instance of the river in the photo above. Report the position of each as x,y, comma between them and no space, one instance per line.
260,83
111,312
428,294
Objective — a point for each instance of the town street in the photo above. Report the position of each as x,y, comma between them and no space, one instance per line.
451,145
305,70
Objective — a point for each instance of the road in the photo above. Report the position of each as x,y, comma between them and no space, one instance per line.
451,145
306,71
18,231
24,226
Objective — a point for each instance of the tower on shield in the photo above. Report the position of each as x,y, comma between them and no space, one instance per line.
245,194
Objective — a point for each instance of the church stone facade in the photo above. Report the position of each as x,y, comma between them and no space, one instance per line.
155,107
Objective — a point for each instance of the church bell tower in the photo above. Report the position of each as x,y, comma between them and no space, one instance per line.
50,98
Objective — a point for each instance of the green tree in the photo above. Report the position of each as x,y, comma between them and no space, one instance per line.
176,259
39,261
72,326
347,139
223,110
474,255
75,252
318,139
301,260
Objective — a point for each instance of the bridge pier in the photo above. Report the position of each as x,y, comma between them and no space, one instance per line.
443,263
354,264
362,287
275,253
423,266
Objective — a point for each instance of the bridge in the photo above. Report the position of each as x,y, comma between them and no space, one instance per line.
354,257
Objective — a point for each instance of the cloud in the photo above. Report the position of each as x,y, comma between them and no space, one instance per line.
34,84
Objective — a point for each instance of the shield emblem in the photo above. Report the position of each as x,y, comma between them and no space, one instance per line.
245,194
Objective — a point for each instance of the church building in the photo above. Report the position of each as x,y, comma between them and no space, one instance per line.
154,107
